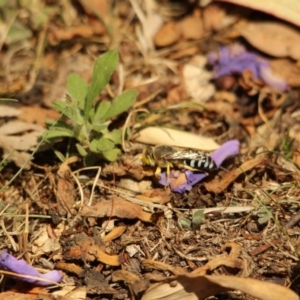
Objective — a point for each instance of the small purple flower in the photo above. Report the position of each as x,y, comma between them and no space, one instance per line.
234,59
183,181
20,266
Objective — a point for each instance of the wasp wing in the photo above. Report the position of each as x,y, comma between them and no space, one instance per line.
183,154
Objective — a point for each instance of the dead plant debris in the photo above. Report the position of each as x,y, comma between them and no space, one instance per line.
208,74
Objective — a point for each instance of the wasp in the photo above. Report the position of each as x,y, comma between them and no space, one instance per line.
169,157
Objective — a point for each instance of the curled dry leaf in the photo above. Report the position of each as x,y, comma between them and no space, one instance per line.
65,193
114,234
197,287
117,207
218,185
171,137
273,38
158,265
88,249
138,284
285,10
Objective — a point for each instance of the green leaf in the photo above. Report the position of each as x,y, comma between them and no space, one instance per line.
59,132
103,69
70,110
101,110
101,145
111,155
61,107
184,223
99,127
77,89
81,150
89,160
198,218
121,104
17,32
115,136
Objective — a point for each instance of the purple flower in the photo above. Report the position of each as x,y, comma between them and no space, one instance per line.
20,266
234,59
183,181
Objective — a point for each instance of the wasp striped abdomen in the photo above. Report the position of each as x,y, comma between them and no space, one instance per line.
205,164
174,157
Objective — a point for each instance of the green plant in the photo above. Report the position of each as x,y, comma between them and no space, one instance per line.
287,146
89,123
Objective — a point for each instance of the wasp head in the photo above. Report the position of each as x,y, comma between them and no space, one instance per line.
147,157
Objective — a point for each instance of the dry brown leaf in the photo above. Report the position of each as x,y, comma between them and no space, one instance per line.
191,27
296,158
134,186
69,267
78,294
94,7
156,196
44,244
138,284
288,70
56,34
66,192
9,111
158,265
288,10
167,35
88,249
97,284
37,115
217,17
171,137
17,127
117,207
274,38
218,185
114,234
193,287
231,260
19,137
34,296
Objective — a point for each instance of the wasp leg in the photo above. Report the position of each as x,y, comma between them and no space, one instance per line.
183,166
157,171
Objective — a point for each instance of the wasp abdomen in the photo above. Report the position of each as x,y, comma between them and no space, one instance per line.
206,163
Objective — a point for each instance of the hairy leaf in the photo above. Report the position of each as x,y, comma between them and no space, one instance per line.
103,69
115,136
121,104
77,89
101,145
111,155
101,110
